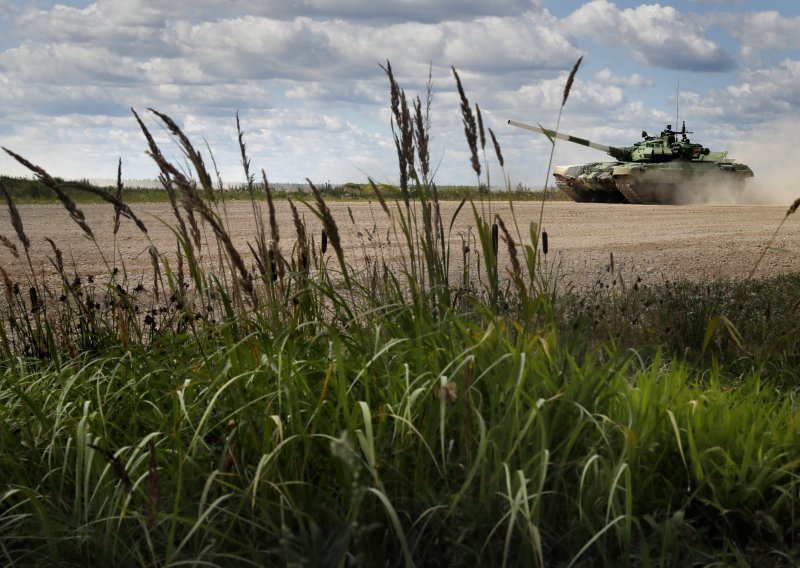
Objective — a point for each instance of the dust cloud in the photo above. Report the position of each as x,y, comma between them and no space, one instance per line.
771,152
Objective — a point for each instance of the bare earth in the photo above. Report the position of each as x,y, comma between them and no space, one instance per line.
654,243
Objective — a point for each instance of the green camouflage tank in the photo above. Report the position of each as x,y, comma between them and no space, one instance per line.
666,169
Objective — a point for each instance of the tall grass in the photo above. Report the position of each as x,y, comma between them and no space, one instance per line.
284,407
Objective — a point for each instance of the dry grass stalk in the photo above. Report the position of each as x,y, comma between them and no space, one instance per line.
154,149
314,251
793,207
245,160
329,224
570,79
481,132
470,127
190,215
154,261
274,249
193,202
33,293
8,285
261,253
302,240
497,148
380,198
118,197
404,141
165,180
791,211
181,275
9,245
422,136
407,133
75,213
59,257
394,90
16,219
196,160
120,208
116,465
193,155
188,196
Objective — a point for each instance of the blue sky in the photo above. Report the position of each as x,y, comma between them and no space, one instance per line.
305,79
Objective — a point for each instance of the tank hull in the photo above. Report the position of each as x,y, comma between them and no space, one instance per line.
675,182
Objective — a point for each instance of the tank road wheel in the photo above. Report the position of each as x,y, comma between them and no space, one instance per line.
627,187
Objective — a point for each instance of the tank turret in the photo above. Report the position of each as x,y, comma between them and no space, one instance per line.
665,168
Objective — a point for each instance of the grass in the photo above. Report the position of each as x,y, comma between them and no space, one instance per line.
279,406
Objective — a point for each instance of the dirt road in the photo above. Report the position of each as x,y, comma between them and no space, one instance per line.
650,242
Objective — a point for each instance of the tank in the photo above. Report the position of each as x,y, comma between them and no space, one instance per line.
663,169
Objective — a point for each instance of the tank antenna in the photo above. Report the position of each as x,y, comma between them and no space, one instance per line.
677,98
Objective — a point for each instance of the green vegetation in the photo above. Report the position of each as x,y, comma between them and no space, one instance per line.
315,412
27,190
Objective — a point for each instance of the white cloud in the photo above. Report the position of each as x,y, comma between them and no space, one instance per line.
304,75
720,2
635,80
773,90
764,30
657,35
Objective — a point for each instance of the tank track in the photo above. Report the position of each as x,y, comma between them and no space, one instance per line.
573,193
648,193
572,188
627,187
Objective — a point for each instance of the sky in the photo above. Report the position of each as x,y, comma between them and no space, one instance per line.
305,77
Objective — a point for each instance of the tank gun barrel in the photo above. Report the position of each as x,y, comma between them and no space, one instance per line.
618,153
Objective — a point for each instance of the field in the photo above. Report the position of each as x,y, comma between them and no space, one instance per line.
654,243
410,381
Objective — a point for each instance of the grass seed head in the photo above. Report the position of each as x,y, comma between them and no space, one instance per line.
75,213
302,240
59,257
118,197
16,219
512,249
380,198
480,126
497,148
329,224
274,248
9,245
422,136
193,155
570,79
8,285
793,207
470,127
